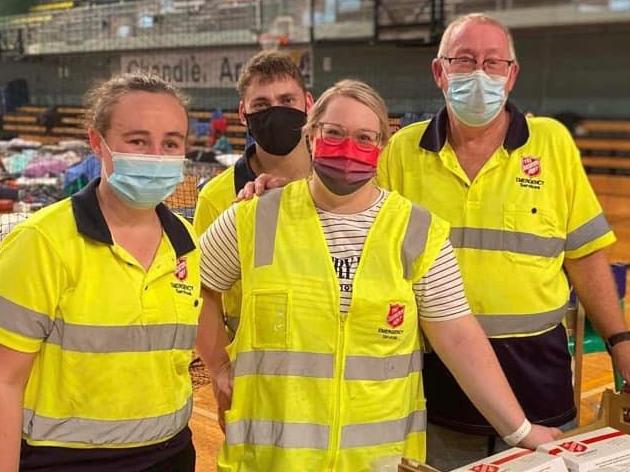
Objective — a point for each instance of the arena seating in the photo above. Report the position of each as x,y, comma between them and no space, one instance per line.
605,146
25,123
235,130
394,123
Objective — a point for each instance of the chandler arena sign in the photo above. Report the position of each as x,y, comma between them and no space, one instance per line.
207,69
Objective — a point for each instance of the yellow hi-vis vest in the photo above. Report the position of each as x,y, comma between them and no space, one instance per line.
214,198
315,390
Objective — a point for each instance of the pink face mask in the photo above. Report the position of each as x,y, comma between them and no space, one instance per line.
346,167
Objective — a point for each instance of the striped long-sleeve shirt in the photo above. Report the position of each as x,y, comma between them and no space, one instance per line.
439,294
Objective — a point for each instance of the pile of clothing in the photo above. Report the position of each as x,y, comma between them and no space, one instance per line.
33,176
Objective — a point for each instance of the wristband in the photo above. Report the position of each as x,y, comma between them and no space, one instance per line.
517,436
616,339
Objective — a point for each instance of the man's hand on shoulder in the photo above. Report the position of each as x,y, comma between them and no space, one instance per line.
259,186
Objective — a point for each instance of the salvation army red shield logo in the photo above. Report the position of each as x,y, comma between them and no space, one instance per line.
181,269
530,166
485,468
396,315
573,446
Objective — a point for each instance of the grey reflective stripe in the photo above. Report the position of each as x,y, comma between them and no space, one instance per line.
267,212
21,320
586,233
97,339
382,368
415,238
383,432
303,364
105,432
501,240
278,434
130,338
497,325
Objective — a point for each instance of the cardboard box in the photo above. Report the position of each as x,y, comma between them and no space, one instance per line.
602,449
412,466
614,412
516,460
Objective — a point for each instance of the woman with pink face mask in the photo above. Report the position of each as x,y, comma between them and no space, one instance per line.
341,280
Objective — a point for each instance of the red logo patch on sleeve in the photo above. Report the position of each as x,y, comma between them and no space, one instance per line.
396,315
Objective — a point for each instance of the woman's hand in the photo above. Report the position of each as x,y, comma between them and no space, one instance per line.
539,435
222,383
210,345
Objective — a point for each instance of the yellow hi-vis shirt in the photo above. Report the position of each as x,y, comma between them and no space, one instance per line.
113,340
315,390
214,198
530,206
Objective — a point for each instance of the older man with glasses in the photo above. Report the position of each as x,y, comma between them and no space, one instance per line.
523,217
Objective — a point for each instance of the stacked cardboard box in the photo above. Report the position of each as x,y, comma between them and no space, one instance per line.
517,460
603,446
605,449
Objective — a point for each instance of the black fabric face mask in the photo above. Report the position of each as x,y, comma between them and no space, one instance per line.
276,129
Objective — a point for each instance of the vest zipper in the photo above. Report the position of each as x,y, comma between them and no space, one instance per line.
340,357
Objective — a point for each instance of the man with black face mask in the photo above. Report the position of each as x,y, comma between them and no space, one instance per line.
273,105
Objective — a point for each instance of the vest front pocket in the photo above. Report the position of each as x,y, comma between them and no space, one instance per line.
271,318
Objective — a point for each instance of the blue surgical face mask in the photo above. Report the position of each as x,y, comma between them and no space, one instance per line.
144,180
475,97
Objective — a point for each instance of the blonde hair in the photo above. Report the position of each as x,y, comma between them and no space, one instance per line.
357,90
474,17
101,99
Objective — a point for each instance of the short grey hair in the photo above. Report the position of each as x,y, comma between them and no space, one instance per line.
476,17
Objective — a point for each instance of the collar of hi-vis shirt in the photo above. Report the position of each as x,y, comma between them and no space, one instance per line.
243,171
434,139
91,222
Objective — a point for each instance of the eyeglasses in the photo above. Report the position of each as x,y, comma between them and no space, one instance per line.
334,135
468,64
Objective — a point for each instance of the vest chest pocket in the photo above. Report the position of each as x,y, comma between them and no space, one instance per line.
271,319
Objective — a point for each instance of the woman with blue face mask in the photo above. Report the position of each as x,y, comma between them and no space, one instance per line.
99,303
